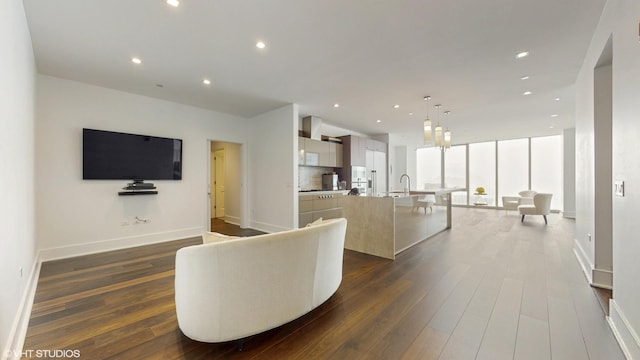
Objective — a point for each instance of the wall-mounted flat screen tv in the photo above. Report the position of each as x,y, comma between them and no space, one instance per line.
108,155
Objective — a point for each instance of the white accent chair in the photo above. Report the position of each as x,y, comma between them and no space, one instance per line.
526,197
512,202
232,288
541,206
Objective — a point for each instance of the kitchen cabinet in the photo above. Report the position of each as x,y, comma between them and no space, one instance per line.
304,219
335,155
321,148
354,150
360,151
313,152
375,145
313,207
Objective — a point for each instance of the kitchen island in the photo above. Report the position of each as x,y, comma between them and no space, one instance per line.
386,224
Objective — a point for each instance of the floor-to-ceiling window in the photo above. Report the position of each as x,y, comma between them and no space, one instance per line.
428,169
455,172
546,168
513,167
502,168
482,171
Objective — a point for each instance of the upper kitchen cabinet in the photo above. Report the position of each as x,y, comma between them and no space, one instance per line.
336,154
375,145
319,153
316,152
354,150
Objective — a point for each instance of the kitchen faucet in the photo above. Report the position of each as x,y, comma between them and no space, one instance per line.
408,182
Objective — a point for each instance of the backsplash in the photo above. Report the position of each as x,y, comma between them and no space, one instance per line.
310,177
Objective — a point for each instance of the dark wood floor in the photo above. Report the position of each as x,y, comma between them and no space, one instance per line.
220,226
490,288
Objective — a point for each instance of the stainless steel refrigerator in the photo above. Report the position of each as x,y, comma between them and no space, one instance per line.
359,178
376,162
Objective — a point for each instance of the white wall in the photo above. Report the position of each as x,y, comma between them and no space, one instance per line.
402,158
77,216
603,185
273,168
17,214
620,18
569,172
399,160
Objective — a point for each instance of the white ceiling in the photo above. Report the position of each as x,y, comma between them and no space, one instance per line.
365,55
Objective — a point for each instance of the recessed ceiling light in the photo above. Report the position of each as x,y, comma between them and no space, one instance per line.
526,77
206,82
136,60
336,105
378,121
396,106
554,115
261,45
174,3
527,93
410,114
557,99
551,127
522,54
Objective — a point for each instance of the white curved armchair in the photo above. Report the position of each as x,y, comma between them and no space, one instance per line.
541,206
524,197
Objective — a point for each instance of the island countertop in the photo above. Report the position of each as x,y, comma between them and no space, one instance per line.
387,223
432,191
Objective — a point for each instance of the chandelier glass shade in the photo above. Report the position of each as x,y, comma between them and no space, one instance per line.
427,123
446,144
447,139
439,138
427,131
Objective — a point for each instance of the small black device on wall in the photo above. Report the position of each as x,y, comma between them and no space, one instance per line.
108,155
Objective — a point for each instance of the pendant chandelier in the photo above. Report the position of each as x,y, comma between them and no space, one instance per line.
447,134
442,138
438,131
427,123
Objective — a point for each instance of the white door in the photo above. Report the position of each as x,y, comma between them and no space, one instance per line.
219,183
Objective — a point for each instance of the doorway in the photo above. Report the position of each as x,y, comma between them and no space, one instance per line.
225,182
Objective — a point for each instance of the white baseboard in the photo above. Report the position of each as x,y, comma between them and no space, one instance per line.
18,331
599,278
268,228
583,260
624,333
117,244
232,220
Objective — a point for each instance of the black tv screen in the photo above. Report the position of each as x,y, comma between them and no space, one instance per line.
108,155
